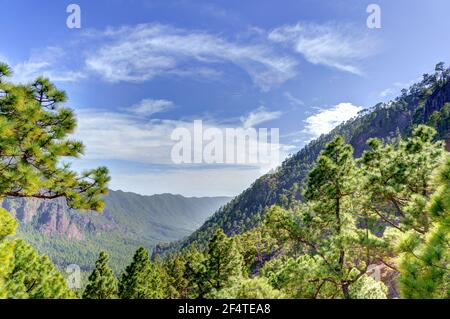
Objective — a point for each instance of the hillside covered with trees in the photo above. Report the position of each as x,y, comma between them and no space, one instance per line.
127,222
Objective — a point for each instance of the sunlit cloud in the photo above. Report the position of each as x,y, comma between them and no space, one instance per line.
327,119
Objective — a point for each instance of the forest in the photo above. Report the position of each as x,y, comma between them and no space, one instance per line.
365,222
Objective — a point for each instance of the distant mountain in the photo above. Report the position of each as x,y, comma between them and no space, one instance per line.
129,220
426,102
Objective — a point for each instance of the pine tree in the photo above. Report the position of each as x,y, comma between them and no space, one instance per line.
142,278
425,258
219,266
23,272
177,284
398,179
34,276
33,137
255,245
34,131
8,224
327,225
224,263
7,227
102,282
196,274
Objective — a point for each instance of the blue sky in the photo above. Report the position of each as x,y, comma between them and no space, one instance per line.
138,69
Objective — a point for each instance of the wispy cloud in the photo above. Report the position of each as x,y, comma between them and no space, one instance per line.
339,46
140,53
148,107
259,116
293,100
45,62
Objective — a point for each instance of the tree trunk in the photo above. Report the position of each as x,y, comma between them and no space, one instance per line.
345,291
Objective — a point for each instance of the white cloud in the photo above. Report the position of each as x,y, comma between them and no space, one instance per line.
140,53
123,136
335,45
44,62
327,119
259,116
127,137
147,107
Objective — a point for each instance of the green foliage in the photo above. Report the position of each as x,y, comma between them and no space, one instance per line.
197,274
256,246
33,138
256,288
398,179
102,282
440,119
6,264
368,288
200,274
33,276
425,257
299,278
142,279
327,224
224,262
177,284
5,70
8,224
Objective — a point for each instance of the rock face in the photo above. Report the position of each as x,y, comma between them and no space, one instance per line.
388,276
51,217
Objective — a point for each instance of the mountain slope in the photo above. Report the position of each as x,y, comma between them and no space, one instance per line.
424,102
129,220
